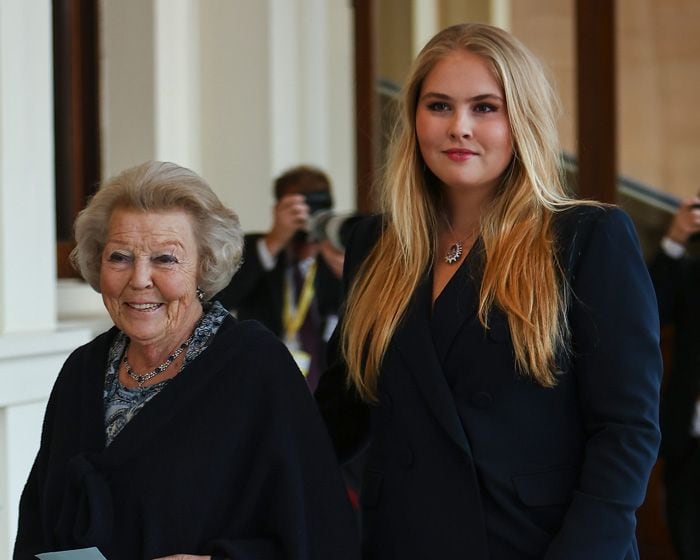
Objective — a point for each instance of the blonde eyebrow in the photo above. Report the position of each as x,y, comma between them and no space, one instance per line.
476,98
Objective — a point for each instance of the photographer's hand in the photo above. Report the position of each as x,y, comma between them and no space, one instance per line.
291,214
686,222
334,258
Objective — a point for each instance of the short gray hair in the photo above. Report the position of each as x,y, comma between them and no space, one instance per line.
156,186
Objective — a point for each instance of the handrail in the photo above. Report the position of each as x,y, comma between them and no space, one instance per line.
634,189
388,87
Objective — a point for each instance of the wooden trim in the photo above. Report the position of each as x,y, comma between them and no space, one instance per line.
76,116
366,101
64,269
597,130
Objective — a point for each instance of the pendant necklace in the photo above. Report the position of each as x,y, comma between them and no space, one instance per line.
142,378
456,250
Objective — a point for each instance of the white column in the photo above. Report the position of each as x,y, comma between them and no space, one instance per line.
27,230
127,84
285,81
299,84
236,143
500,13
425,22
31,348
311,90
340,115
313,80
177,82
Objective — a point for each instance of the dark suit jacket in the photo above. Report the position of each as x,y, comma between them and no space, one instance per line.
230,458
470,459
677,283
256,293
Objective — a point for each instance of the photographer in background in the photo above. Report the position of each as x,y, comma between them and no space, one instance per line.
290,281
676,277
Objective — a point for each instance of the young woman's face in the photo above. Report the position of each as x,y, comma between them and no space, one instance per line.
462,123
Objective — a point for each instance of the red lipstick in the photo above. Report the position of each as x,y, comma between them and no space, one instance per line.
459,154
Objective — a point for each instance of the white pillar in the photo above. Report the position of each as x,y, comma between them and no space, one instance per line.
340,116
500,13
177,82
425,22
311,90
151,83
127,76
236,144
285,84
27,223
313,74
31,349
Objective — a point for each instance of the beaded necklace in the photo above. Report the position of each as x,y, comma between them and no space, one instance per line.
142,378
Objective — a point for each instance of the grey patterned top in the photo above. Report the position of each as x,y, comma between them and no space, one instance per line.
121,403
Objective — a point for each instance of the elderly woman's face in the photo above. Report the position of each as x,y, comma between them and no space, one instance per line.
148,275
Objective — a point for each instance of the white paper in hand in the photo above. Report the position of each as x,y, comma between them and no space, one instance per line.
78,554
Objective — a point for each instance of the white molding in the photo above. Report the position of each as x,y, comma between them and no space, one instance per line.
14,346
29,364
77,300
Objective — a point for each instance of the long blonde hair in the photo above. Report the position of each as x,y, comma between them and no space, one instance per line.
521,276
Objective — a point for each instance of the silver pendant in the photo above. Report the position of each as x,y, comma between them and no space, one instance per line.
454,253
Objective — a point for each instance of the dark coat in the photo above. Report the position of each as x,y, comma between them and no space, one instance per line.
677,283
230,458
470,459
256,293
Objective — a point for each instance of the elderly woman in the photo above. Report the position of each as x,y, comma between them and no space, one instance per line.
180,431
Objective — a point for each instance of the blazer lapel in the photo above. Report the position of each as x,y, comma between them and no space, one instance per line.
414,342
457,303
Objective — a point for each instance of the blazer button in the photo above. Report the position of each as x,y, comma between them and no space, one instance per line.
482,399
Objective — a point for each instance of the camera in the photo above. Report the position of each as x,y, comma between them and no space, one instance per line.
326,224
318,201
332,226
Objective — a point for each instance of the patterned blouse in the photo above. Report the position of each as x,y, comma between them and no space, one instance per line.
122,403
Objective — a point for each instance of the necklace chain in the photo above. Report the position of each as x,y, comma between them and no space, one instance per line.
456,249
142,378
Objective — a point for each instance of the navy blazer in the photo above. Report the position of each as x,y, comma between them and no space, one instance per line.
470,459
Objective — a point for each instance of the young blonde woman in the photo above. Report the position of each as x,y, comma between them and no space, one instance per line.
499,346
